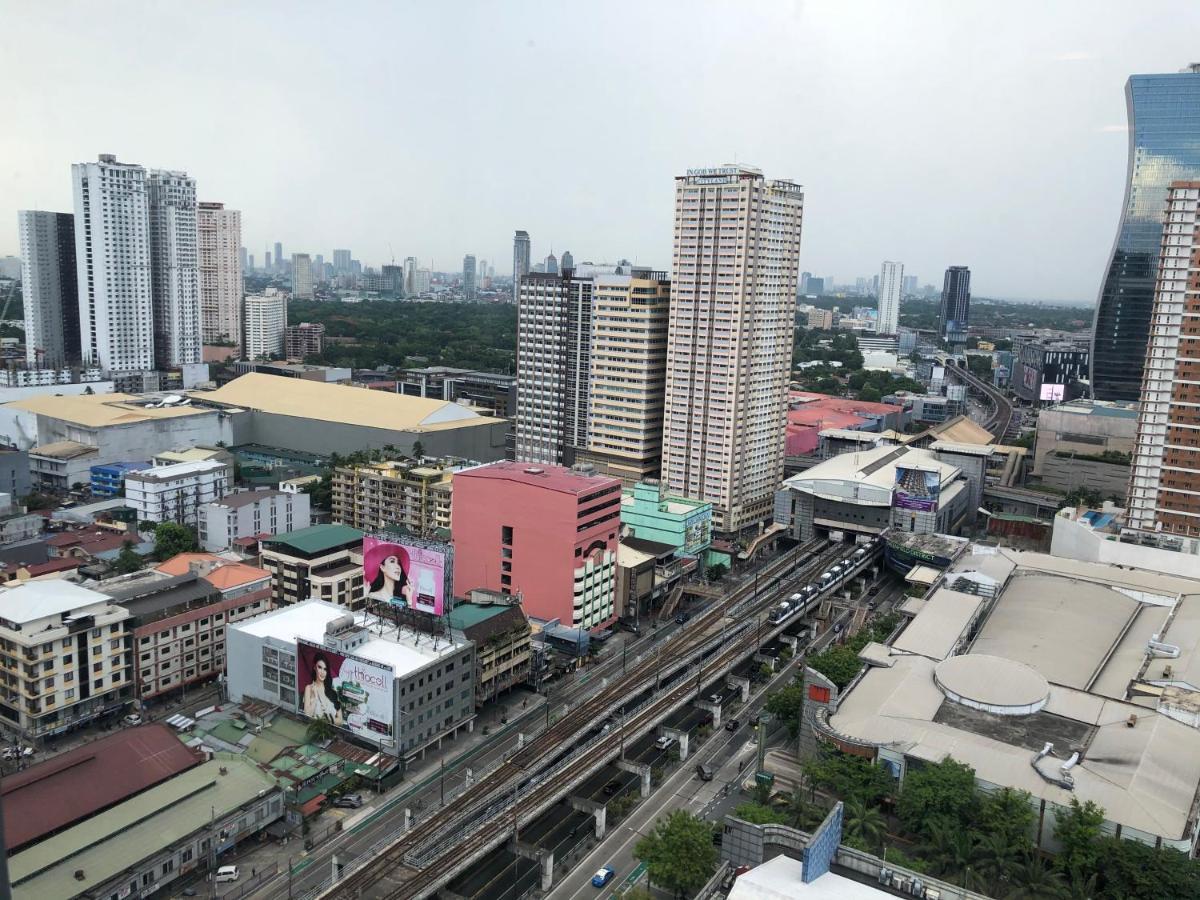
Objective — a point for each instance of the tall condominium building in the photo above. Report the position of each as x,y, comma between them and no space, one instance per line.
341,262
628,375
551,264
1164,146
174,268
1164,488
304,340
49,287
410,270
267,261
319,269
554,333
393,279
279,266
468,276
520,258
567,261
302,276
910,285
954,313
219,235
112,258
891,278
733,285
266,319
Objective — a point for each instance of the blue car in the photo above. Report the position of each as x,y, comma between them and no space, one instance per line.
603,877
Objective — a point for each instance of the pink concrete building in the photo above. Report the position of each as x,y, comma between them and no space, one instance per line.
545,532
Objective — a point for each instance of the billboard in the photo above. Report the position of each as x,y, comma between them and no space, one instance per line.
1054,392
347,691
406,572
916,489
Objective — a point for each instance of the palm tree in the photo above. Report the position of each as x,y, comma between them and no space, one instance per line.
1036,881
995,857
951,851
864,822
1079,887
319,730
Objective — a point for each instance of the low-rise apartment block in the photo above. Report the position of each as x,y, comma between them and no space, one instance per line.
251,514
322,561
411,494
179,622
175,493
503,640
64,658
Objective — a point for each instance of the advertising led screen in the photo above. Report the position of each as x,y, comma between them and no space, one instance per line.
345,691
916,489
1054,392
405,574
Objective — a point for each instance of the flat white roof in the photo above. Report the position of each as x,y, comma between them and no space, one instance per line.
177,470
939,625
41,599
782,878
403,652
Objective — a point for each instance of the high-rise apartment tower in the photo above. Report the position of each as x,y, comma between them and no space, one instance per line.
1164,146
469,276
49,287
112,258
1164,485
554,334
219,236
520,258
302,276
954,311
891,279
174,268
733,285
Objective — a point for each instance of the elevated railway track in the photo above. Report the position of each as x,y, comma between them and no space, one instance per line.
426,857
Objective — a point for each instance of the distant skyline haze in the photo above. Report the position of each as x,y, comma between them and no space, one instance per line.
934,133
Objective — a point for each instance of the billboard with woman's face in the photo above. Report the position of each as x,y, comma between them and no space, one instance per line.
345,691
405,574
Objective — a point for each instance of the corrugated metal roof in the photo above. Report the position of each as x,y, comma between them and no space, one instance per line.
118,838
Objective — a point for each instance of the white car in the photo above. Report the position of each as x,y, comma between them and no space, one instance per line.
133,719
17,752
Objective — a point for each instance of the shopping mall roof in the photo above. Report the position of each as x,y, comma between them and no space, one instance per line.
402,651
874,468
120,837
103,410
343,404
52,795
1065,655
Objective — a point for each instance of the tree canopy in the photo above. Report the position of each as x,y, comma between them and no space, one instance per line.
171,539
679,852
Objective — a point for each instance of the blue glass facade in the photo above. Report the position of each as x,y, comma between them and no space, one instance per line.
1164,146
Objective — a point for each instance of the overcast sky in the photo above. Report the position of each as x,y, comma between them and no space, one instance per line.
938,133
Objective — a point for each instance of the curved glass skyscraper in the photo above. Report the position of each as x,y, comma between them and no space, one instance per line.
1164,145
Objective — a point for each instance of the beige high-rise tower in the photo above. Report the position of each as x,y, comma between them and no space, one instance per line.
219,237
628,374
1164,483
733,286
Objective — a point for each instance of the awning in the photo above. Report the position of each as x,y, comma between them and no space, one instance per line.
313,806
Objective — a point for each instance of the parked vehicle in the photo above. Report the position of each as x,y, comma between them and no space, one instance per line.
133,719
228,873
603,877
348,801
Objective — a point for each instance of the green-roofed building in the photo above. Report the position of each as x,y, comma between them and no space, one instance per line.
139,846
324,561
503,642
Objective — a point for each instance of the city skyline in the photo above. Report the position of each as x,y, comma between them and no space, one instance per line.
954,87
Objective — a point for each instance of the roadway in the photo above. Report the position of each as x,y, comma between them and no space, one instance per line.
1002,410
730,755
384,824
534,777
